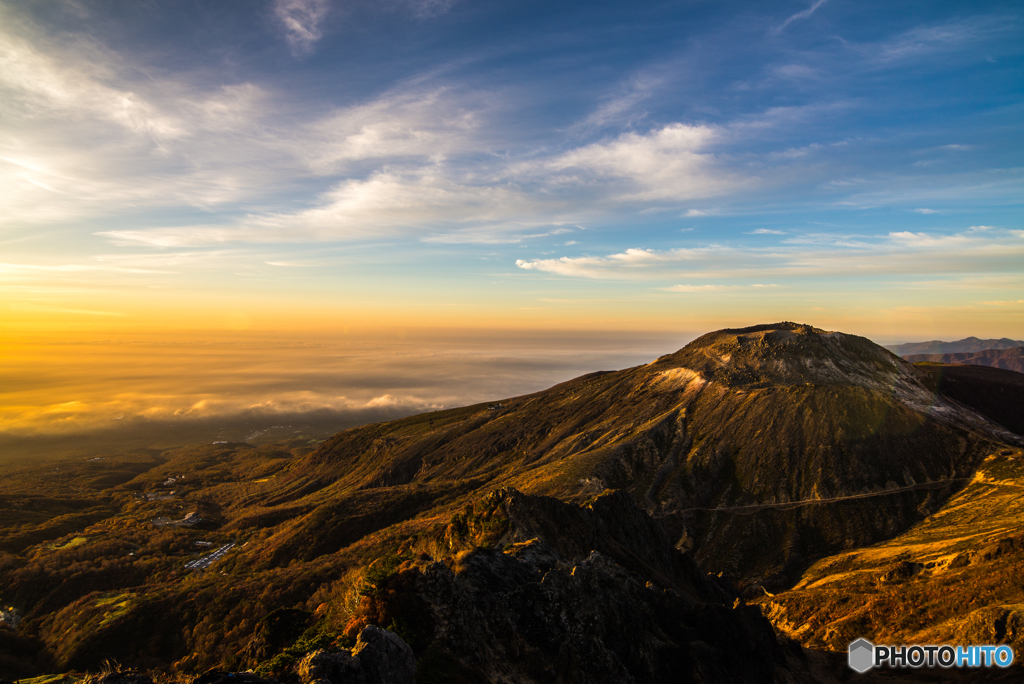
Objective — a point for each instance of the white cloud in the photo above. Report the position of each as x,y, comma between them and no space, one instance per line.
301,20
87,134
671,163
766,231
715,288
69,268
621,108
83,135
381,206
926,211
931,41
896,254
795,72
800,15
630,264
402,124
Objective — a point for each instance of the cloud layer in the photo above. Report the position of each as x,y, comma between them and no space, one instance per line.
977,249
439,159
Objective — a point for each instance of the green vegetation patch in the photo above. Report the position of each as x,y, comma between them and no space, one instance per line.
77,541
68,678
317,636
114,605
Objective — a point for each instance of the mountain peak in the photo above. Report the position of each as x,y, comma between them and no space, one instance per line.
789,353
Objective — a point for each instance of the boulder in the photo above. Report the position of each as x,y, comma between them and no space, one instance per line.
379,657
385,658
333,668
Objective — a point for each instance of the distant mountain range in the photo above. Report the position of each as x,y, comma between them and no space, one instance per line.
966,345
1008,359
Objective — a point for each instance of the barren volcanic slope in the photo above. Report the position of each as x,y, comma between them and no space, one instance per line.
801,426
760,450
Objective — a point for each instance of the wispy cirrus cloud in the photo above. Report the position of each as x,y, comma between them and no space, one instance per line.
301,21
402,125
425,194
68,268
798,16
423,203
84,134
88,136
717,288
934,39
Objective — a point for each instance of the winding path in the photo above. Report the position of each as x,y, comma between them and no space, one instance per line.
786,505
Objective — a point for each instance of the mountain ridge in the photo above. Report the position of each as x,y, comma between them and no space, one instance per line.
750,453
966,345
680,435
1008,359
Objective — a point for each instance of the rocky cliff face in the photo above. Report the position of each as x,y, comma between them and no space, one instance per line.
592,593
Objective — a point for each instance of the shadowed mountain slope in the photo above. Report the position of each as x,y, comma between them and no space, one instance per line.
592,593
996,393
1007,359
951,578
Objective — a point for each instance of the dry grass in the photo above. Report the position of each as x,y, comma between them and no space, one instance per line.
954,575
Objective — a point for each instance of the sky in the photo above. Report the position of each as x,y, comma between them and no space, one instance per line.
330,167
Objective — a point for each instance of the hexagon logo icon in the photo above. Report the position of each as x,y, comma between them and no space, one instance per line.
861,655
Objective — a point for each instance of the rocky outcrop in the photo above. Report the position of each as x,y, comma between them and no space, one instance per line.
379,657
219,677
325,666
593,594
131,677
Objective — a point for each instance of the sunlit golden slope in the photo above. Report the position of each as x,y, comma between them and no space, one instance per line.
953,578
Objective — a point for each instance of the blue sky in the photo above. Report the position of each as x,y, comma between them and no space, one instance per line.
668,166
